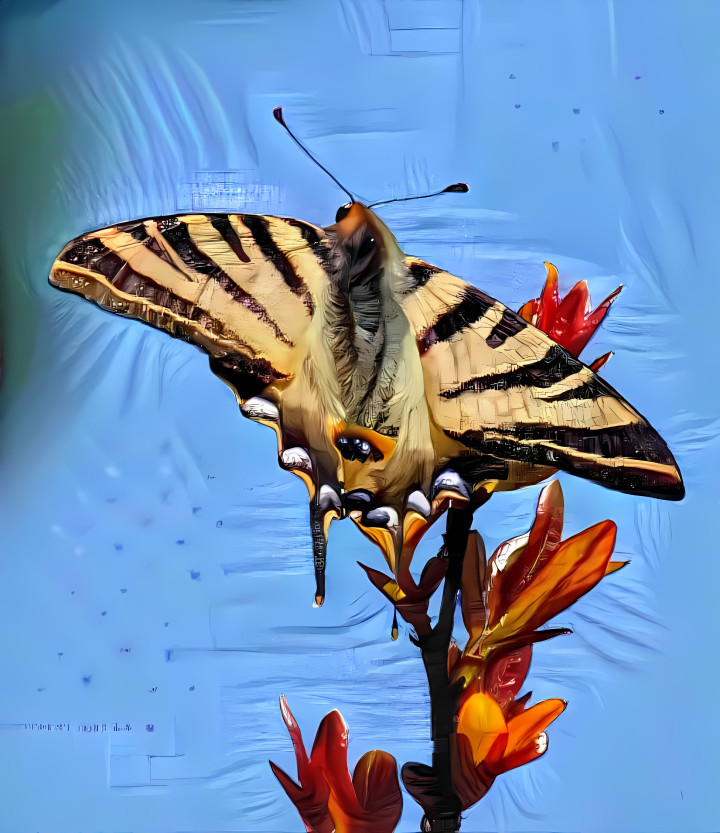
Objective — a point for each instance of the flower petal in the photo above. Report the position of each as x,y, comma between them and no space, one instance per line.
570,316
301,757
382,538
473,587
601,361
470,782
529,312
524,732
384,584
376,784
482,722
549,299
330,747
585,331
543,541
576,566
506,674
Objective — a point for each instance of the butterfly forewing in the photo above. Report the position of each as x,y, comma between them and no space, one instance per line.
239,286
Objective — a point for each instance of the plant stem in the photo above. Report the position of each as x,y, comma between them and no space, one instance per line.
443,700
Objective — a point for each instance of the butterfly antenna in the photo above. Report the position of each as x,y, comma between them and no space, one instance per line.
278,114
457,188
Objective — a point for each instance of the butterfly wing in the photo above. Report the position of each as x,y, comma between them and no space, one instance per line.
508,405
238,286
246,290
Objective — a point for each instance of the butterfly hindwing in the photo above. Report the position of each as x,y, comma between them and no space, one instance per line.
499,388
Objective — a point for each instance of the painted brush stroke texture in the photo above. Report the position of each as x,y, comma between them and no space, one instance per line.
144,579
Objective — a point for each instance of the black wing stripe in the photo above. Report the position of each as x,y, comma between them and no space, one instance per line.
509,325
94,255
631,458
135,229
311,236
555,366
138,297
222,225
591,389
471,308
249,377
420,274
258,227
179,238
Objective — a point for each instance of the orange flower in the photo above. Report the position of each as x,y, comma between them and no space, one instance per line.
327,798
505,600
569,322
502,744
532,578
411,600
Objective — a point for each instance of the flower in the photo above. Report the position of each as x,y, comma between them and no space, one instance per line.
327,798
410,598
527,581
570,322
490,741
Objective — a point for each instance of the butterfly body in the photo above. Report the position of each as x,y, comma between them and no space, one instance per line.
381,374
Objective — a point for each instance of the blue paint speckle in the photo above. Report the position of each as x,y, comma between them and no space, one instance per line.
195,575
118,547
512,76
103,613
556,147
166,623
196,509
192,688
661,112
518,106
39,689
149,727
576,110
87,679
180,542
123,589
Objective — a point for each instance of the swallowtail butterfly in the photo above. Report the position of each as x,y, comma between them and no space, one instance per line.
386,379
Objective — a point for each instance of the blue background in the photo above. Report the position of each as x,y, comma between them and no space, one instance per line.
155,566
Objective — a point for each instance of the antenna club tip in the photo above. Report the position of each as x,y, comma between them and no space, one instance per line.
458,188
278,116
